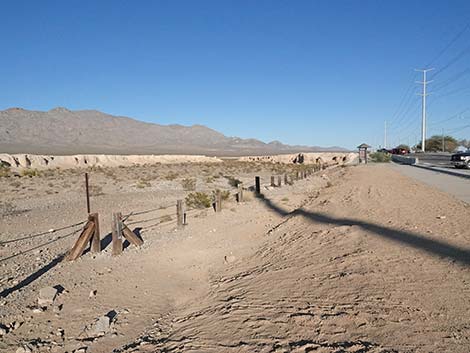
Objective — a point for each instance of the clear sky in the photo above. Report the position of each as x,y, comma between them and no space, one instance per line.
302,72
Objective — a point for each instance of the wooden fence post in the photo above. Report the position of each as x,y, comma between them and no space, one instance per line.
240,192
286,181
179,213
257,185
87,192
95,240
297,175
279,181
117,233
82,241
273,184
218,201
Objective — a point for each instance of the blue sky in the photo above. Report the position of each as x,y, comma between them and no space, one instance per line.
302,72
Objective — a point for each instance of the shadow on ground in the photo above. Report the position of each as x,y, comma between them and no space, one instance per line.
415,240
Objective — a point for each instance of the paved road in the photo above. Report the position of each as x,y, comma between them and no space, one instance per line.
437,159
454,185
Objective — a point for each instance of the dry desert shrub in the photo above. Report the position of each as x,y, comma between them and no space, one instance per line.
166,218
188,184
232,181
30,173
225,194
4,171
171,176
140,184
95,190
198,200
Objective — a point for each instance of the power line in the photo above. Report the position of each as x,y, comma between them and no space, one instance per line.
456,38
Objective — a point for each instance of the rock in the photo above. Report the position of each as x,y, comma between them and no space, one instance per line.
3,330
47,296
92,293
80,350
229,259
57,308
37,310
23,349
99,328
441,217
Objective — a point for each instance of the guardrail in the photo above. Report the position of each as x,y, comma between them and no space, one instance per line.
404,159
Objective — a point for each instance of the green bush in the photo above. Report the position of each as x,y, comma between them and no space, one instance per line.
198,200
380,157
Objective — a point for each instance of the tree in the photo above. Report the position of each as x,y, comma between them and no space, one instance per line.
404,147
435,144
465,143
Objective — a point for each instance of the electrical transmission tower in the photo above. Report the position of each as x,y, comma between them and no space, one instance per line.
423,110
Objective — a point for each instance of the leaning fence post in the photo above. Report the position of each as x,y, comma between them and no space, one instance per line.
273,184
257,185
95,240
218,201
180,216
240,192
117,233
279,181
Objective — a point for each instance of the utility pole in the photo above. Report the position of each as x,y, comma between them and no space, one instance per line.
443,142
423,110
385,135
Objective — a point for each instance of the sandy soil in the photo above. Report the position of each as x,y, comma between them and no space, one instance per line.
354,259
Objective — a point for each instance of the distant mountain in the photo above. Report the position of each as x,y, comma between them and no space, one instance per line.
61,131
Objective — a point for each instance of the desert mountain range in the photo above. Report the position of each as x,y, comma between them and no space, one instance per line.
62,131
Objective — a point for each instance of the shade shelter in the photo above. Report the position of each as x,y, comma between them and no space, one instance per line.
363,152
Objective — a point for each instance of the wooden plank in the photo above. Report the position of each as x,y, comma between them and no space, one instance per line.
117,233
82,242
279,181
286,181
257,185
131,236
179,213
218,201
240,192
95,240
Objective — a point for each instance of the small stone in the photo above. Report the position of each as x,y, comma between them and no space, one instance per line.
99,328
80,350
57,308
441,217
3,330
37,310
47,296
23,349
229,259
92,293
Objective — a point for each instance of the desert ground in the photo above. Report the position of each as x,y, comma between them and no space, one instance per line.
350,259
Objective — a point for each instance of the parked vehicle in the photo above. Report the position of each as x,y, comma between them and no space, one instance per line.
461,160
399,151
